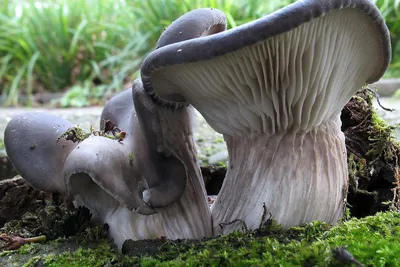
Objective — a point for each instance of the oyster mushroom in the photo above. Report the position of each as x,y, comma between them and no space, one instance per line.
33,146
274,88
163,159
145,185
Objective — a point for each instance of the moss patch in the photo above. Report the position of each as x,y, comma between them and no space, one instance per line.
373,158
373,241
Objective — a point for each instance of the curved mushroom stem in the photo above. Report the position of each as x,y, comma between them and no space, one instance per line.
190,216
300,177
159,191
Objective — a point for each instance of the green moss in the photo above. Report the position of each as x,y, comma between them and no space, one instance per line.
382,140
373,241
75,134
102,255
356,169
78,134
373,157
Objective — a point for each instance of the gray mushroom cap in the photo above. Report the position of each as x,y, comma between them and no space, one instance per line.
119,110
194,24
107,163
216,45
31,141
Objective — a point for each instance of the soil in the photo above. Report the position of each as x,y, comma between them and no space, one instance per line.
18,198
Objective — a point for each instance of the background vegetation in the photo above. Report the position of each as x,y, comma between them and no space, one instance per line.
93,48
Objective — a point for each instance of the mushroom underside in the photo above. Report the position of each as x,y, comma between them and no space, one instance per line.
277,103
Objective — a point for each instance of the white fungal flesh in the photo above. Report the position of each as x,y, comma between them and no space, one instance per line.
277,103
189,217
299,177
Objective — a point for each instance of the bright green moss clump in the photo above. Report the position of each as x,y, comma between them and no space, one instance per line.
373,241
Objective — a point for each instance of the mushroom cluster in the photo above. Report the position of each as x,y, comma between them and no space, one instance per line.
274,87
147,185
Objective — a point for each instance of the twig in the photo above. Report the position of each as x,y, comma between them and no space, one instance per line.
15,242
263,221
244,226
345,257
377,100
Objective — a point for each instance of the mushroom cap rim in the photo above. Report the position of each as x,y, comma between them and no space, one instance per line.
278,22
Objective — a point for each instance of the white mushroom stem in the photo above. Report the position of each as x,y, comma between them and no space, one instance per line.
299,177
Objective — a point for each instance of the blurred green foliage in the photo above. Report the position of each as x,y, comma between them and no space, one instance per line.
390,10
54,45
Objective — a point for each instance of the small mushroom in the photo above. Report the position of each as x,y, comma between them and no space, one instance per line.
274,88
194,24
33,146
163,175
146,185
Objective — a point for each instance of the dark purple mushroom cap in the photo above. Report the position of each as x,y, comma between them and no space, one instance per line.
32,145
266,73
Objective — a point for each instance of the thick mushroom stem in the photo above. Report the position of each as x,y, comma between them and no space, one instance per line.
297,177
